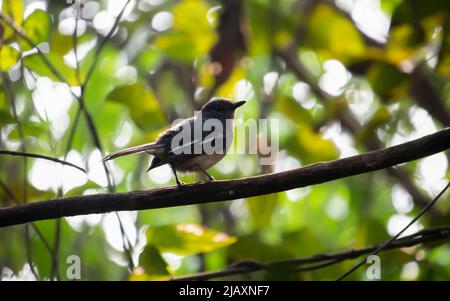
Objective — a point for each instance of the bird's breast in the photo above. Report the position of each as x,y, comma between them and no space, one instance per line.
200,162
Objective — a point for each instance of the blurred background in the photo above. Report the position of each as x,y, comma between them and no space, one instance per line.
341,77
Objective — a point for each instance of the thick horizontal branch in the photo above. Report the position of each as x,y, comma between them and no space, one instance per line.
228,190
322,260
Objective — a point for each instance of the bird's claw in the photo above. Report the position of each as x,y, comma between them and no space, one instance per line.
180,185
209,180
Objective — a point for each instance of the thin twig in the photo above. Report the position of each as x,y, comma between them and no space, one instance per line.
89,120
389,242
39,156
103,43
56,246
28,252
12,102
125,241
321,260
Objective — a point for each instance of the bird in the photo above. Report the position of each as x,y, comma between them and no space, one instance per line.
194,144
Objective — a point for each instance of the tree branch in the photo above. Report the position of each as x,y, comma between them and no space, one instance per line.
31,155
228,190
322,260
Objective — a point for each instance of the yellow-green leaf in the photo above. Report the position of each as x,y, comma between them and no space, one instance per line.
37,26
334,36
191,35
142,104
36,64
8,57
314,148
261,209
14,10
187,239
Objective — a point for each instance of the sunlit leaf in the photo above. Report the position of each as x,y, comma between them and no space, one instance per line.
37,27
186,239
403,43
13,9
292,109
8,57
148,58
32,129
36,64
388,6
185,42
142,104
333,35
313,147
228,88
258,13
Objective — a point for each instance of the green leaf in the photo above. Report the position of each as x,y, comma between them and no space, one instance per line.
148,59
152,266
314,148
387,80
37,26
36,64
5,117
13,9
414,11
334,36
261,209
8,57
187,239
191,35
251,246
142,104
292,109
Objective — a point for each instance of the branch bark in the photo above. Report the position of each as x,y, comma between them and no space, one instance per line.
228,190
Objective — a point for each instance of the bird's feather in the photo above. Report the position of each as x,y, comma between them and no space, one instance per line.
151,148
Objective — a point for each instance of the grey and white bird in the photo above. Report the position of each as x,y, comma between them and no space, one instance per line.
194,144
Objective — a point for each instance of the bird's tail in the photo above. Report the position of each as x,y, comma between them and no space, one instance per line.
151,148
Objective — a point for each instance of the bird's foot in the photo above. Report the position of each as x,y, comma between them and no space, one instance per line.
208,180
180,185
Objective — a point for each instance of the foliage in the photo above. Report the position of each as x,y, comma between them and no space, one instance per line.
165,60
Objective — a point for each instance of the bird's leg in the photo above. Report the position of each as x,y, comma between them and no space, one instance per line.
179,184
210,178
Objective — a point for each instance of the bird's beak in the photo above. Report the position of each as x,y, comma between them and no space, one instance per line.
238,104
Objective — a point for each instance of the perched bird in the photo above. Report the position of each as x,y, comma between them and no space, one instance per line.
194,144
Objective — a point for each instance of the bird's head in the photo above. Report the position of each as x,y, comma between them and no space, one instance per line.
220,108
